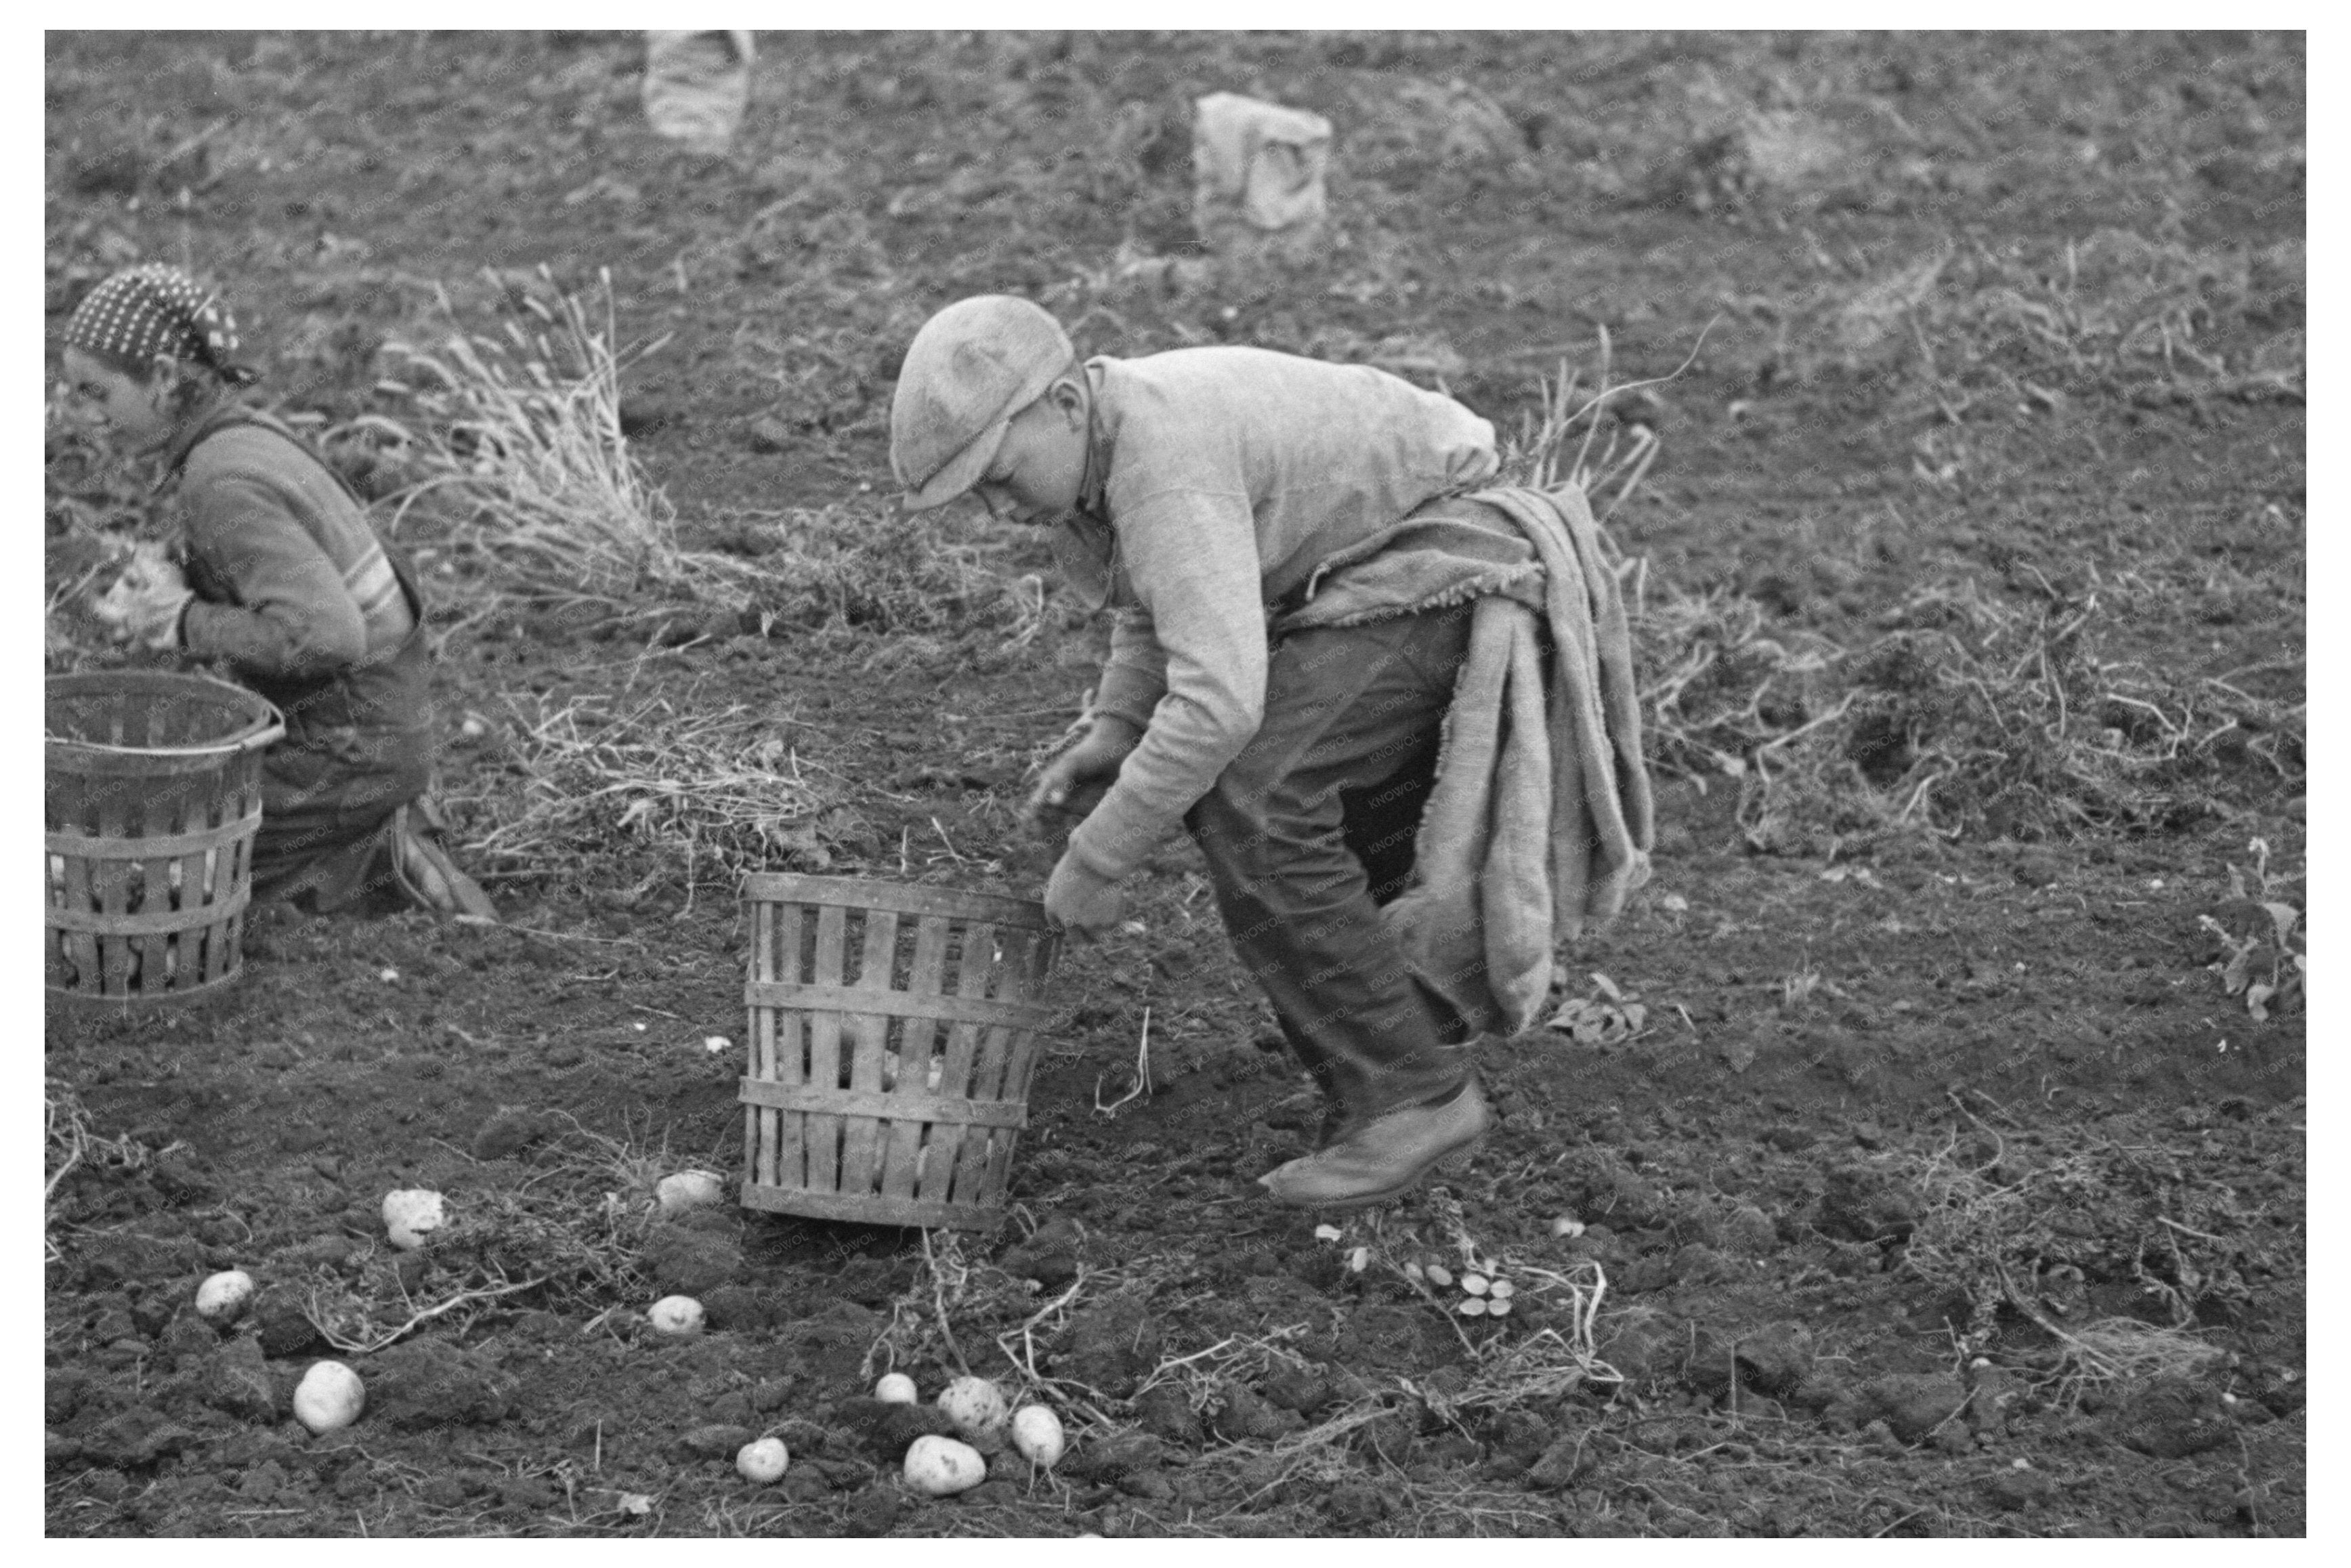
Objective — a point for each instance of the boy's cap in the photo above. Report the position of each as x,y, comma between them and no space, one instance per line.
971,368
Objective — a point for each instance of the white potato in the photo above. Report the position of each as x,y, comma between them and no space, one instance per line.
896,1388
941,1467
687,1190
224,1297
763,1463
1037,1436
330,1397
411,1215
678,1317
976,1406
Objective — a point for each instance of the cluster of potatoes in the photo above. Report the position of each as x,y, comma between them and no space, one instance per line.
331,1395
935,1464
938,1466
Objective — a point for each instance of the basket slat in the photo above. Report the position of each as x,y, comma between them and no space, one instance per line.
791,1063
232,874
759,1043
885,1105
158,954
869,1209
80,946
195,842
1024,1051
901,1004
870,1030
996,1046
824,1049
143,923
983,957
113,880
901,1158
217,942
889,1107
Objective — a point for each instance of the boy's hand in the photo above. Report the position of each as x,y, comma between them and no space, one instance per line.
1081,901
1075,782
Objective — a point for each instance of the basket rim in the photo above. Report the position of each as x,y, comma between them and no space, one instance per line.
264,724
854,892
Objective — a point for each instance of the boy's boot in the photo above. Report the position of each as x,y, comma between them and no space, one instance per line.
1385,1156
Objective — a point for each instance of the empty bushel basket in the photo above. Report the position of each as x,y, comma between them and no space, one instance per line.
894,1031
152,797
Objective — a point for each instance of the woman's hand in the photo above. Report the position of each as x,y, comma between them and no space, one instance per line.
1073,783
146,602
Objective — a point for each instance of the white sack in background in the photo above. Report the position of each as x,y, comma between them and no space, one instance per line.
697,85
1257,166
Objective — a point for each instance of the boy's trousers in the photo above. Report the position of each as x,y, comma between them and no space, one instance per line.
1310,829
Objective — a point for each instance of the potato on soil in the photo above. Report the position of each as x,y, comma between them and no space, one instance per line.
941,1467
411,1215
896,1388
1037,1436
976,1406
764,1461
330,1397
223,1298
678,1317
685,1191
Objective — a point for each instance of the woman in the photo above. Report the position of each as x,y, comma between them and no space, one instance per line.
285,582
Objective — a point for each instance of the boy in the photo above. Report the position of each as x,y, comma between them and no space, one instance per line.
1205,492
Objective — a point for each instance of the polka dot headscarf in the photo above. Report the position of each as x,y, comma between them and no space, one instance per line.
155,311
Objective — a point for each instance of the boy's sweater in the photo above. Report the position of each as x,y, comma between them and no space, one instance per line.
1227,475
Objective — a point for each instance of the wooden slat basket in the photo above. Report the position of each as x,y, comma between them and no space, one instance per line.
893,1033
152,797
